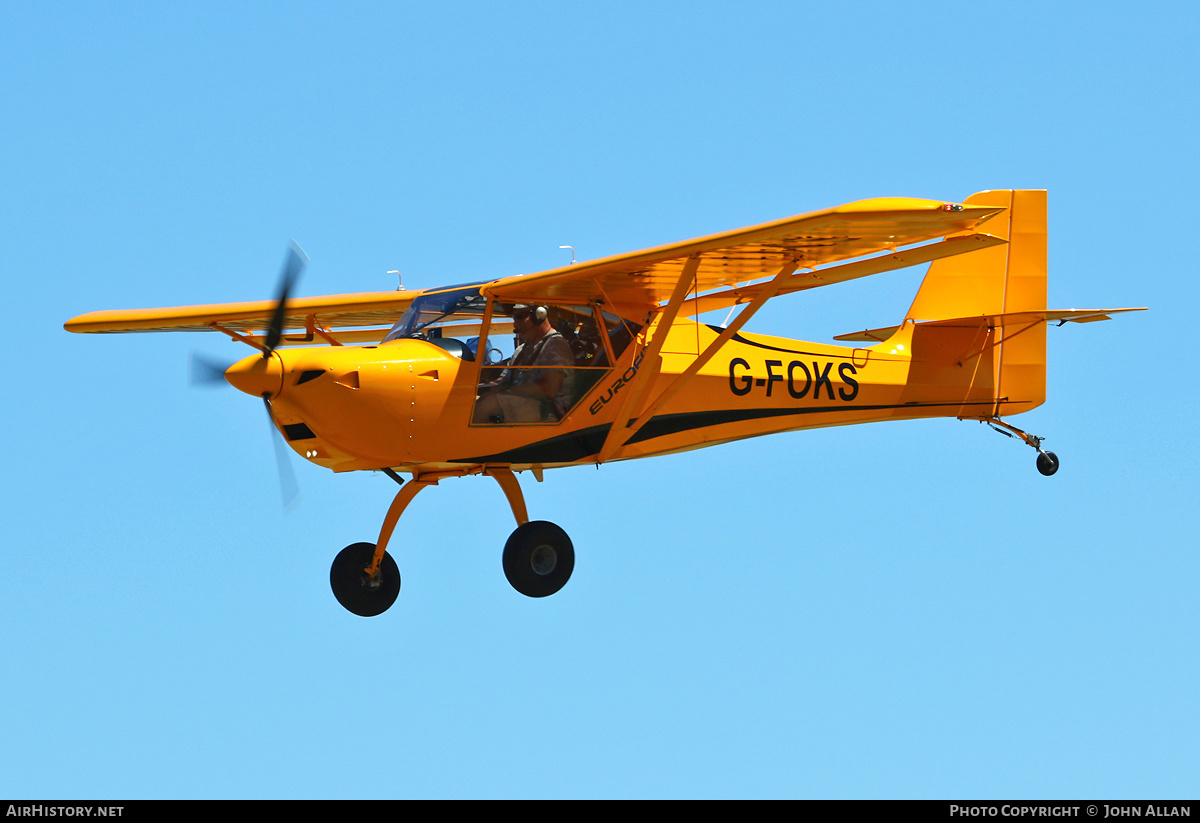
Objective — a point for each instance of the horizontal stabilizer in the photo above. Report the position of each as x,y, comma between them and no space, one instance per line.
1018,318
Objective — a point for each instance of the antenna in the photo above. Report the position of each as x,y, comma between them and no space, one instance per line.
572,248
399,282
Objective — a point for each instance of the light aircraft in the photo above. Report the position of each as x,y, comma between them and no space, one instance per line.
600,360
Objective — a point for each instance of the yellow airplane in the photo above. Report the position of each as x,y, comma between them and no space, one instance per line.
599,361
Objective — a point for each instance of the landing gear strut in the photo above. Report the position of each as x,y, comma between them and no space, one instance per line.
1047,462
538,557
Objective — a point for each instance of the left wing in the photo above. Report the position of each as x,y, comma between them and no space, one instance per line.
643,280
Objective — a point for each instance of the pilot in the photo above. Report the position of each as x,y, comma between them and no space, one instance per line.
522,394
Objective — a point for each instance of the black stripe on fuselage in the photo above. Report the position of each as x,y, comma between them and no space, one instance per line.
565,448
578,445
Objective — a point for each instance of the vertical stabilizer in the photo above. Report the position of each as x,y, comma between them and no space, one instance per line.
998,280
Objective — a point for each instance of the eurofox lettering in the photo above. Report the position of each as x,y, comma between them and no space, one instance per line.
616,386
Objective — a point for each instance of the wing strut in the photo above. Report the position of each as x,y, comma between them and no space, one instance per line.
651,362
618,436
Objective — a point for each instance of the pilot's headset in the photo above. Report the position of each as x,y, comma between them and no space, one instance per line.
540,313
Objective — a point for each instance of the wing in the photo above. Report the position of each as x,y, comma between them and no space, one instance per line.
643,280
329,316
636,282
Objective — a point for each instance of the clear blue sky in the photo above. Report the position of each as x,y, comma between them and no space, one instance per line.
897,610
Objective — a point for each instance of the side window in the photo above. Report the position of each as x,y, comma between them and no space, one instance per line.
541,361
620,332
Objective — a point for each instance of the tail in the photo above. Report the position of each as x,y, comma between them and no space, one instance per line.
979,299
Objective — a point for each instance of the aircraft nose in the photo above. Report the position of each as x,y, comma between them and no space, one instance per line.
257,375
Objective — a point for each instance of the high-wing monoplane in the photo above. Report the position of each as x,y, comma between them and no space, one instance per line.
602,360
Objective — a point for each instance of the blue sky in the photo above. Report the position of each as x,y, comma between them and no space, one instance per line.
897,610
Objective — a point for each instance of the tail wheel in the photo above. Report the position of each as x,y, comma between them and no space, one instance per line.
360,594
538,559
1047,463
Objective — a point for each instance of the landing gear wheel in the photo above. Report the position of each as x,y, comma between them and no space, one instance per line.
360,594
1047,463
538,559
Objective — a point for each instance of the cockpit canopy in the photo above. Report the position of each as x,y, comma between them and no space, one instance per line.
456,312
452,319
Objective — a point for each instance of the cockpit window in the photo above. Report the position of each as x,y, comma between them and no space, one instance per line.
429,314
558,354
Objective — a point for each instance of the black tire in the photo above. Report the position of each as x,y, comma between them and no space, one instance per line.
357,592
538,559
1047,463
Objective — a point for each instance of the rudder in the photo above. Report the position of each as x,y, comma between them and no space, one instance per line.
999,279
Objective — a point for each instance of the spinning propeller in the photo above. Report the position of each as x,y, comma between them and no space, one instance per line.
204,372
293,265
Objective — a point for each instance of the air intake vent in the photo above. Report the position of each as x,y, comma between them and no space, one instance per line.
298,431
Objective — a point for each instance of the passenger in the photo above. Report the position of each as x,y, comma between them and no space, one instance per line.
523,393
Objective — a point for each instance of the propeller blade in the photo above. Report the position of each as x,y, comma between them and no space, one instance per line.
205,373
287,477
293,265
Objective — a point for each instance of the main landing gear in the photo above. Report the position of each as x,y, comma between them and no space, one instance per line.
538,557
1047,462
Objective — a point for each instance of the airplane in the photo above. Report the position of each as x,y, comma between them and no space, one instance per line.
602,360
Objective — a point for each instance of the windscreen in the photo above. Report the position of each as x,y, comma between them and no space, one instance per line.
430,310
